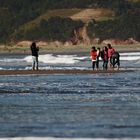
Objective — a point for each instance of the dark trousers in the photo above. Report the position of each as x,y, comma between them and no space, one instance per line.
97,63
115,61
105,64
93,64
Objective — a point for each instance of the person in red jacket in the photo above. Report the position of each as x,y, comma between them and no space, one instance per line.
93,55
111,51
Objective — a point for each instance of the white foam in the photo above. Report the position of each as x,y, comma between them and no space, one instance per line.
68,59
130,58
58,59
130,53
58,68
72,59
8,60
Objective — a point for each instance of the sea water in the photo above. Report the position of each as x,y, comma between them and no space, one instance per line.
74,105
61,61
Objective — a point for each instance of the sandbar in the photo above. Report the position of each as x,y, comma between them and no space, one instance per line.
42,72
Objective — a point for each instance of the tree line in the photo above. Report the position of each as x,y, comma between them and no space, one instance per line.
124,27
15,13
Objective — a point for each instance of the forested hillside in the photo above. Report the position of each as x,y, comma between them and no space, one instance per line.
17,16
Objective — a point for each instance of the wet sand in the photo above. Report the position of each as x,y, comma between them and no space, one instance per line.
40,72
49,138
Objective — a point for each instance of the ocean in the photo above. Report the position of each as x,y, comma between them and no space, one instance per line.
69,105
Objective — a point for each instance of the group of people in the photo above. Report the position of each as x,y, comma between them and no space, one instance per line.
107,54
110,57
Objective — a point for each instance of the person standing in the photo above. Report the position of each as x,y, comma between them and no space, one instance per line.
93,55
98,56
34,51
105,58
111,51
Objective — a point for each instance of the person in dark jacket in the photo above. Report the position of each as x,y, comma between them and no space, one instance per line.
115,60
34,51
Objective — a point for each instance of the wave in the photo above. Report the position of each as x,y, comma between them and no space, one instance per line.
130,54
67,59
72,59
9,60
50,68
130,58
58,59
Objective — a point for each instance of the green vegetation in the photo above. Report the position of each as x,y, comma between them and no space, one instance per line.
55,28
32,19
124,27
64,13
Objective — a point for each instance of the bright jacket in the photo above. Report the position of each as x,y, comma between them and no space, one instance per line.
93,55
111,52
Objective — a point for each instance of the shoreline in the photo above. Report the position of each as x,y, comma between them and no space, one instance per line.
48,72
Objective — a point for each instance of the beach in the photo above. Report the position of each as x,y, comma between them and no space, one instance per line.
45,72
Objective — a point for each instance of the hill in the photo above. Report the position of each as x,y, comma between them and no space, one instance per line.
84,15
31,19
98,14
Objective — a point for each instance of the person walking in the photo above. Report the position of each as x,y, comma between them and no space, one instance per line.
34,51
93,55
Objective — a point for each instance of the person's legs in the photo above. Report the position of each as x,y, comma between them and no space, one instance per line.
118,62
97,64
93,64
111,62
114,62
36,63
33,62
105,65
